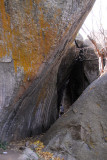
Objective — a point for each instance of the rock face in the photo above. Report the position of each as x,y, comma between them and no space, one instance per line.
75,75
34,37
81,133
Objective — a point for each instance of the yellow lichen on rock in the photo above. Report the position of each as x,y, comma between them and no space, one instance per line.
6,37
26,41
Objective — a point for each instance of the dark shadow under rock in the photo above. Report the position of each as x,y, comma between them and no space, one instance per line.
75,74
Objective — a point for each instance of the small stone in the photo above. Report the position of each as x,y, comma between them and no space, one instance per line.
33,146
27,144
28,154
4,152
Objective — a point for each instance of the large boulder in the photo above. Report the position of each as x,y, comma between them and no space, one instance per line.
81,133
79,40
34,37
75,74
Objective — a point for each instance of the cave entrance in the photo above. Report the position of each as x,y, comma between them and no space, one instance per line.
71,81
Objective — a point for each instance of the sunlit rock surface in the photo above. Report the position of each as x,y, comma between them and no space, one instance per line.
34,36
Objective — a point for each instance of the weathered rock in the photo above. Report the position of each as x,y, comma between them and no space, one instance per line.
34,37
74,75
28,154
79,40
81,133
88,43
91,66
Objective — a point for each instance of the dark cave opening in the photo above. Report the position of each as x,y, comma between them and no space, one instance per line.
78,68
71,82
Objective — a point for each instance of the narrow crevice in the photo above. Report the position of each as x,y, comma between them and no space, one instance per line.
72,83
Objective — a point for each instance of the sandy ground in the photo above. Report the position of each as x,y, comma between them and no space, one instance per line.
11,155
13,150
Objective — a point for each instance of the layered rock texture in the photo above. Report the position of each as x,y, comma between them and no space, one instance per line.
34,37
75,75
81,133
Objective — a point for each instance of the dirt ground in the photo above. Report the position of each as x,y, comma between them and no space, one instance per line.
15,149
12,151
11,155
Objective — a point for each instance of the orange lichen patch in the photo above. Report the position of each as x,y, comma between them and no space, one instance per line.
47,33
33,46
6,35
37,1
31,4
5,17
28,42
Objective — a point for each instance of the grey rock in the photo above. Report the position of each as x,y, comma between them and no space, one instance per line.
27,144
33,146
91,65
88,43
79,40
28,154
81,132
74,75
35,110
